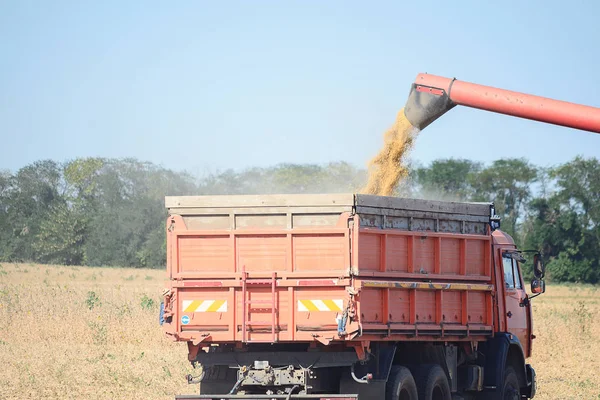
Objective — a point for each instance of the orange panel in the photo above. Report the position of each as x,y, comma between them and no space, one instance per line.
262,253
369,252
425,310
477,308
425,306
415,254
319,252
399,306
371,305
475,257
450,256
424,254
397,253
451,307
204,253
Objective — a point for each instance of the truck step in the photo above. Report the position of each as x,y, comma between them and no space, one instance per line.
259,282
260,342
271,396
259,302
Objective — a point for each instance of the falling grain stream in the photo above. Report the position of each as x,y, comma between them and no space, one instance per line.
389,167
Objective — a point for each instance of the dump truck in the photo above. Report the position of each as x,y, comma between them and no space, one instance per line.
351,296
347,296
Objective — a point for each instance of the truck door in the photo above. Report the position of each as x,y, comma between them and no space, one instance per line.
516,312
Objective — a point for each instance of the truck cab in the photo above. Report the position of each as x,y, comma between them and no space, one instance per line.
516,316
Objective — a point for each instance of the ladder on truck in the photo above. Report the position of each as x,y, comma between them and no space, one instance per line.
266,306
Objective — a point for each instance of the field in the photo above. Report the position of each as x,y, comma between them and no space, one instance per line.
93,333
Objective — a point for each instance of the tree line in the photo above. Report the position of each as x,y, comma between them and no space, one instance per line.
110,212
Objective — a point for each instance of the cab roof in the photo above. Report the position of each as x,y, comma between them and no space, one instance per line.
503,238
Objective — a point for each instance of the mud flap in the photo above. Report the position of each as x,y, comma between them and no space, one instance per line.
531,381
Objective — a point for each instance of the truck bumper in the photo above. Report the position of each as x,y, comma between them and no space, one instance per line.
532,381
267,397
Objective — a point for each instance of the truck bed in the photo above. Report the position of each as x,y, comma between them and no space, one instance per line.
330,268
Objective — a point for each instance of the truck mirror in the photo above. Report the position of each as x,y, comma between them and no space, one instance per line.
538,286
539,270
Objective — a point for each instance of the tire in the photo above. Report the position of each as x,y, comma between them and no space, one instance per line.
432,383
401,385
510,388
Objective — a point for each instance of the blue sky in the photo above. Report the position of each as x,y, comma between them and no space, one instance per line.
205,86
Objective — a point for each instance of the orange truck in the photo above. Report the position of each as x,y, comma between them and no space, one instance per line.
347,296
351,296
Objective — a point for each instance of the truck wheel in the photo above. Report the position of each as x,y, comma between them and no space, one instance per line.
432,383
401,385
510,389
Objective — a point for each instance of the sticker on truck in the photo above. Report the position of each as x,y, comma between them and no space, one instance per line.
321,305
191,306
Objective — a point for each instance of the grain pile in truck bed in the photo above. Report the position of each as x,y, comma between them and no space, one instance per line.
388,167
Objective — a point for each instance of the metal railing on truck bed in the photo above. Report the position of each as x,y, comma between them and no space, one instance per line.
338,267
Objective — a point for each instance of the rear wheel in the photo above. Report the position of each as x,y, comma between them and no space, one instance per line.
432,383
510,389
401,385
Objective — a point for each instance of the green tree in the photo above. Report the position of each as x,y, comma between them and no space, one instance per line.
565,225
579,185
286,178
61,236
27,198
81,177
508,183
111,211
447,179
128,221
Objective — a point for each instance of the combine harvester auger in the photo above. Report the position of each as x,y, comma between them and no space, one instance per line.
431,96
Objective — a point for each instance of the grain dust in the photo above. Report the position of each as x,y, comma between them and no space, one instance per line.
389,167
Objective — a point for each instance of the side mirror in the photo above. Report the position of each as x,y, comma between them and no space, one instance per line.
538,286
539,269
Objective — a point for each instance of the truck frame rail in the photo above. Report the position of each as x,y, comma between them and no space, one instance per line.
267,397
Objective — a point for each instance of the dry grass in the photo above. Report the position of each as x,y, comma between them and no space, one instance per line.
57,340
566,352
85,333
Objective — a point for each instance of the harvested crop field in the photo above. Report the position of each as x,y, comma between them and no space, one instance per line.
85,333
93,333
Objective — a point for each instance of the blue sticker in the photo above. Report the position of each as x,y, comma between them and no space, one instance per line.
185,319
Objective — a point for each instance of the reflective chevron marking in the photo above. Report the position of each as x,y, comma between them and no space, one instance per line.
204,306
321,305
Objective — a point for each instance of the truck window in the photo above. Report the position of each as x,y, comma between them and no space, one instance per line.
516,274
509,272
